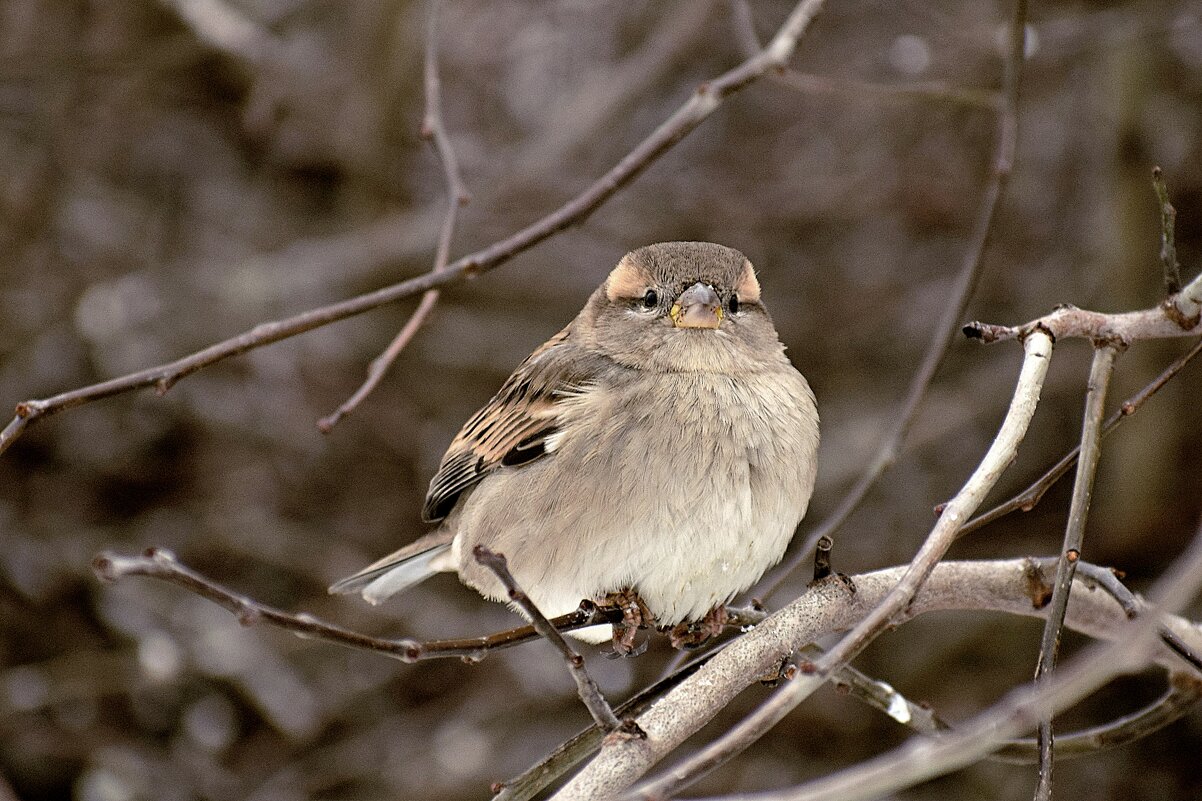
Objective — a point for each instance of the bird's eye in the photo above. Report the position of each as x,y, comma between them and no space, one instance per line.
650,299
733,304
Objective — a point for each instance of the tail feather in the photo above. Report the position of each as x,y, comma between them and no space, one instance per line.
397,571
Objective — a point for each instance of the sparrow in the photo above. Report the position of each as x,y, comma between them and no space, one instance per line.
657,453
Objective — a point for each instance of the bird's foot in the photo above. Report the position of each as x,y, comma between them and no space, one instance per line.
691,635
635,616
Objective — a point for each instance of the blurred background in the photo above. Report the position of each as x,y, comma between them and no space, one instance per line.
172,173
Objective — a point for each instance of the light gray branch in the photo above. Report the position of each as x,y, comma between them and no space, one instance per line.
620,764
1133,643
997,586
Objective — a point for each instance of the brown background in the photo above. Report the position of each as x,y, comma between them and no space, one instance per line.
159,192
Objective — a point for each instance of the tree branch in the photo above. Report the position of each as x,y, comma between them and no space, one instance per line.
999,586
1030,497
961,290
457,197
1132,644
1074,536
586,688
704,101
161,564
1168,226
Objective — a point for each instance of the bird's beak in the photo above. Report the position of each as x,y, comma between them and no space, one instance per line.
697,307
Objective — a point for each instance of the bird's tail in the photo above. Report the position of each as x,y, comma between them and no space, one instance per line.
398,571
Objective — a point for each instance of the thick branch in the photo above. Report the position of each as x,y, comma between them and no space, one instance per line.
1133,642
1177,317
1000,586
700,105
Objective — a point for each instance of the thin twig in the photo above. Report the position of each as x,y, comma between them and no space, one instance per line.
822,558
161,564
457,197
703,102
944,332
1168,225
1027,499
1074,536
590,693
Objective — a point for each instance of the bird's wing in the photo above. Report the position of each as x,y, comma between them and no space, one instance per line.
512,429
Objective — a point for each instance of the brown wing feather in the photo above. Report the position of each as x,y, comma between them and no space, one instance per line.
511,429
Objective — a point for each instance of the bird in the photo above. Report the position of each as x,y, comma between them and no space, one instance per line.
657,453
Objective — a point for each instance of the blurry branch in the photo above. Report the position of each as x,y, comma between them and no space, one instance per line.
586,688
598,99
1132,644
943,333
1001,586
1074,536
227,29
457,196
616,767
749,42
703,102
1185,690
1030,497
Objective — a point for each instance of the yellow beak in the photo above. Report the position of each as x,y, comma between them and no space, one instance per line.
697,307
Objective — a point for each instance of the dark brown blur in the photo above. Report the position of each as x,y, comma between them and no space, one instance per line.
173,173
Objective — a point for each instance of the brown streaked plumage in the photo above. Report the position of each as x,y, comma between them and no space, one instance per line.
661,444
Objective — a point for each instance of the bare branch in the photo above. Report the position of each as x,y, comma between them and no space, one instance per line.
1000,586
574,751
956,302
614,761
1029,497
1183,694
457,197
704,101
590,693
921,759
1074,536
1168,225
161,564
1125,327
810,84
